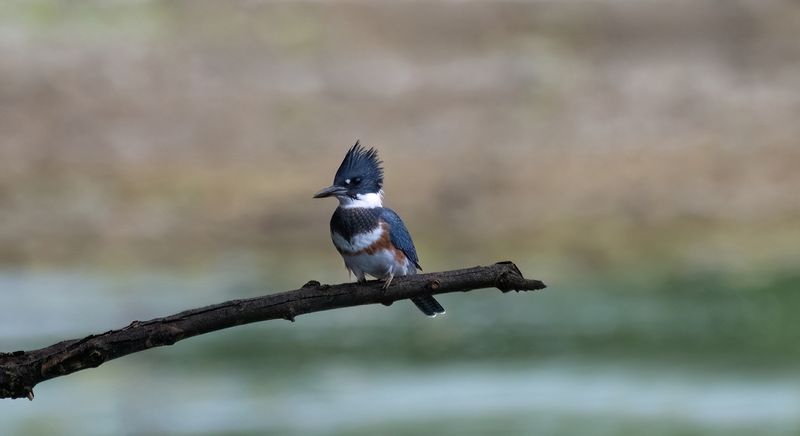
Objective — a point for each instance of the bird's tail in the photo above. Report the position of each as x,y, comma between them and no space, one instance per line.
428,305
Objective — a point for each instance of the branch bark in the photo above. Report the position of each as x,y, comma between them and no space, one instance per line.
20,371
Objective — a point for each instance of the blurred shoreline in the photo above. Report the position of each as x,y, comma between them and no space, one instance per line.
605,132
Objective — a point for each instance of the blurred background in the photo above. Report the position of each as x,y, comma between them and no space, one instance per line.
640,157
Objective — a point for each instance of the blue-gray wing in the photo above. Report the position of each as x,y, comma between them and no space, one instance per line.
398,234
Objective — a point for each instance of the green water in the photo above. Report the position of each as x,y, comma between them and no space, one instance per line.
690,355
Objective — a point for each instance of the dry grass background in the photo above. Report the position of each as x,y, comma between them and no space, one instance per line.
599,132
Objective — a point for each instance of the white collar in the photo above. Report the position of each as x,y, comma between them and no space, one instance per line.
367,201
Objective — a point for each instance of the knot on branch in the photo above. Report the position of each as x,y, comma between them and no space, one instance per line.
289,315
166,335
313,284
95,358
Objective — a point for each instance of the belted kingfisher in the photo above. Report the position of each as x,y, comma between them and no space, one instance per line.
372,239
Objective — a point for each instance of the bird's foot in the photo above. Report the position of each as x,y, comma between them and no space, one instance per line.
384,300
388,281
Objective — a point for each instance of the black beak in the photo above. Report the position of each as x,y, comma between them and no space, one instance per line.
331,191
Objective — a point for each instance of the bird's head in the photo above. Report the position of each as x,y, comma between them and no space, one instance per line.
359,179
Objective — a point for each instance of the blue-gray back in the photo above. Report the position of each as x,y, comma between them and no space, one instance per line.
398,234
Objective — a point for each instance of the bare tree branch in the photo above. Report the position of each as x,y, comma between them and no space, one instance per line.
20,371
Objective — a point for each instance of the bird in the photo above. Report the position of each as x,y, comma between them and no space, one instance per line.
371,239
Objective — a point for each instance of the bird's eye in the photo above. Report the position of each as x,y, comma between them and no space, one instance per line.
357,180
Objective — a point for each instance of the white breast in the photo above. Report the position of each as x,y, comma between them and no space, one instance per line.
379,264
359,241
